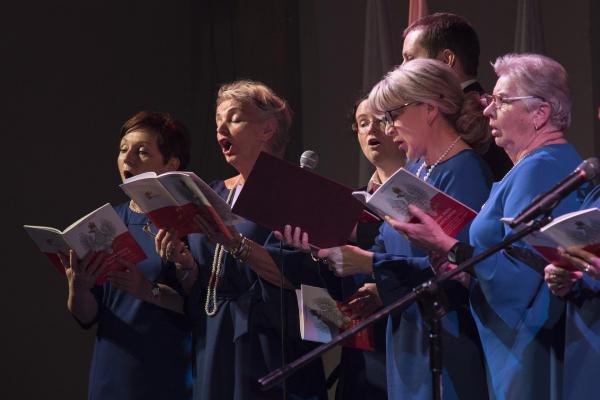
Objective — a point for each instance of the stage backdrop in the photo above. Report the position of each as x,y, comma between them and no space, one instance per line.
73,71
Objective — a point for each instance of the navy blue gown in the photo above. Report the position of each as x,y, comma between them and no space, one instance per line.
142,351
242,341
398,267
520,323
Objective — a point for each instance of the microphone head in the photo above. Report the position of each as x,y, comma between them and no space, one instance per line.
309,160
590,168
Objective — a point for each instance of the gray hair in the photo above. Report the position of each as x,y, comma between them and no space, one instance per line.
540,76
433,82
259,95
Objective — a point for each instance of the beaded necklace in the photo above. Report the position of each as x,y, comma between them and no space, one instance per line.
211,306
439,160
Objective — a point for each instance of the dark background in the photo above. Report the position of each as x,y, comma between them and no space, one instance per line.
74,71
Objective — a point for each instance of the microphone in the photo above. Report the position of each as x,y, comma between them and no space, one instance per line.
586,171
309,160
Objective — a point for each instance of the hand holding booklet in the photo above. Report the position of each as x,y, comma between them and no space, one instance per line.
100,231
322,318
403,188
575,230
172,199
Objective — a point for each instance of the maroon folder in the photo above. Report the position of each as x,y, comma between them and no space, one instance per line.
278,193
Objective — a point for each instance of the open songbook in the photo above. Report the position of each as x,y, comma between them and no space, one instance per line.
403,188
576,230
172,199
100,231
322,318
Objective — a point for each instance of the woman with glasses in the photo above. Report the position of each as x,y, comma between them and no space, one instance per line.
143,341
519,321
428,116
361,373
235,284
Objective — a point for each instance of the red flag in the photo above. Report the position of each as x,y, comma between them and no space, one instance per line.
417,9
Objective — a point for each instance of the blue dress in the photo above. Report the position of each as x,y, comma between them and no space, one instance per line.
398,267
242,341
520,324
582,341
142,351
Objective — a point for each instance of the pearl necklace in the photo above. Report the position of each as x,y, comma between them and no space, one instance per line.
211,306
439,160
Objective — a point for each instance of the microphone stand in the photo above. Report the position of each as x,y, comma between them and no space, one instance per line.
422,291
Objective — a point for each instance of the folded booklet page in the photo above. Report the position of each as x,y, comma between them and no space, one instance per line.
99,231
172,200
403,188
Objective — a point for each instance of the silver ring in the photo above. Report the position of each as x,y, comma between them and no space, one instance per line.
587,268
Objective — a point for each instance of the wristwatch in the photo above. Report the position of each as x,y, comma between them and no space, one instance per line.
155,289
459,253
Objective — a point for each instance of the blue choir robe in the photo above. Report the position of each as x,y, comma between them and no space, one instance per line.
582,331
242,341
520,323
142,351
398,267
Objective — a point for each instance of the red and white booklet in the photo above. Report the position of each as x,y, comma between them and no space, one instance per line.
100,231
403,188
322,318
172,199
576,230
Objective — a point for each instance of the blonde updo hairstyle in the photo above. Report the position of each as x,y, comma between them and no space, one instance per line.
433,82
261,97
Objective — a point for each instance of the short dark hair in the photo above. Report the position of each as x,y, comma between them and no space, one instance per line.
449,31
172,137
352,114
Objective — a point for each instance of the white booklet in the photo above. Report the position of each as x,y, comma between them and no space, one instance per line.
575,230
403,188
99,231
322,318
172,199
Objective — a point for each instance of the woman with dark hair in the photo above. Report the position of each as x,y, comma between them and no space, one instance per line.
234,282
143,345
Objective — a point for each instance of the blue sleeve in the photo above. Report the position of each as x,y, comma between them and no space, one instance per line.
396,275
509,284
469,183
593,199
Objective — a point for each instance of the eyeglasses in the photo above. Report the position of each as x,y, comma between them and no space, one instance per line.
388,119
498,100
364,125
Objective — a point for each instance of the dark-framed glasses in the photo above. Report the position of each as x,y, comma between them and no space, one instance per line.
498,100
388,118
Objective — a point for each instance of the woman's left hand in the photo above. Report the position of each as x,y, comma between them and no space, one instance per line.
367,301
131,280
423,231
347,260
560,280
